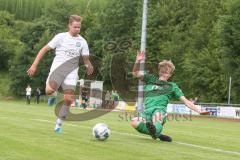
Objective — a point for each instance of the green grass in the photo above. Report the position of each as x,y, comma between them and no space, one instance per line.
4,84
26,133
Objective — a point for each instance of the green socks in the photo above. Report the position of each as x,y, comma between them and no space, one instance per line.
142,128
159,127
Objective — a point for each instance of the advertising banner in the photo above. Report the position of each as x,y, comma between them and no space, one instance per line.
214,110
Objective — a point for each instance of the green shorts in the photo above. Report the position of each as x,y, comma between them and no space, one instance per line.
150,112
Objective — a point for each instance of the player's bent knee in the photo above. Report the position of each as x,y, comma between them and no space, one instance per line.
135,122
49,90
68,99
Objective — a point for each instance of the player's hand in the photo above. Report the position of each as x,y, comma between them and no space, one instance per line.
31,71
205,113
89,69
140,56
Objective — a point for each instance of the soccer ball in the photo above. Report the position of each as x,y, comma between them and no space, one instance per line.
101,131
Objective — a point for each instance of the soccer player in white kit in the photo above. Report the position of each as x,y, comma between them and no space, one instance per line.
69,46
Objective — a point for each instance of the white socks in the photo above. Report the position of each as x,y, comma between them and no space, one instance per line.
62,115
58,123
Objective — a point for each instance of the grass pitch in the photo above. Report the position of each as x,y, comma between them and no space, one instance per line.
26,133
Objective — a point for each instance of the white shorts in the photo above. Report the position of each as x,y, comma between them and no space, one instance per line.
66,82
65,74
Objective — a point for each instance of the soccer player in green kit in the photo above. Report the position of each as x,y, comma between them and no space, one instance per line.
157,92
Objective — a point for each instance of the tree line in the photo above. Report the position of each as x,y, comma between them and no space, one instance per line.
201,37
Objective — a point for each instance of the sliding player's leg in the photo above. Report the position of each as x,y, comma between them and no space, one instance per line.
143,124
159,118
139,123
165,138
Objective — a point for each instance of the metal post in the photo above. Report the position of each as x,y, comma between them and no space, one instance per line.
229,90
140,106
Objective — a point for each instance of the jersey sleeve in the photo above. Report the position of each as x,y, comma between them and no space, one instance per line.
177,91
148,78
85,49
55,41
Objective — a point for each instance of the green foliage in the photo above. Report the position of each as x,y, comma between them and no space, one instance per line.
201,59
200,37
32,9
35,37
229,45
9,42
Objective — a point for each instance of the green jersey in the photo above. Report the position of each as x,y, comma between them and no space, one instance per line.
157,93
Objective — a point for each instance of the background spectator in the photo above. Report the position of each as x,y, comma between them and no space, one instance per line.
28,94
37,95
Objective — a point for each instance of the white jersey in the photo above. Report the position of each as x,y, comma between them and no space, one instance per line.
67,47
28,91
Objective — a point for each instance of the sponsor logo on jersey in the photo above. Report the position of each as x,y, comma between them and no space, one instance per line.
78,44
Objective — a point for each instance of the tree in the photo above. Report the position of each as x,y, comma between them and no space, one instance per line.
9,43
229,45
34,37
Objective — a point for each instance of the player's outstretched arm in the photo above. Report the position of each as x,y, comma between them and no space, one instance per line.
191,105
88,65
136,68
31,71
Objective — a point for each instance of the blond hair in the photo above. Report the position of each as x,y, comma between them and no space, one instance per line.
74,18
166,67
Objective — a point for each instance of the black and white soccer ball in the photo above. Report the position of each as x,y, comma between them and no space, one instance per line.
101,131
